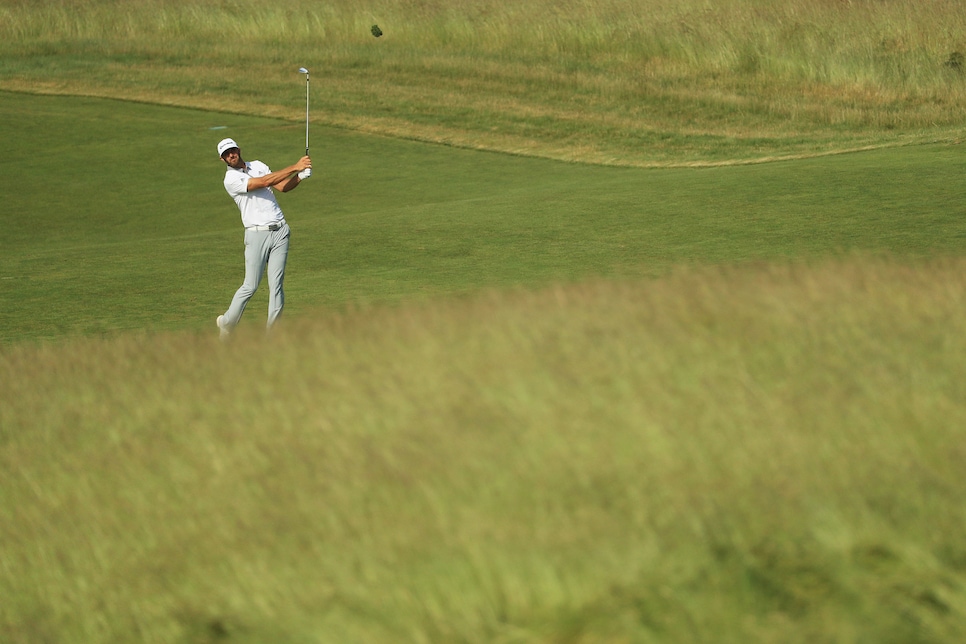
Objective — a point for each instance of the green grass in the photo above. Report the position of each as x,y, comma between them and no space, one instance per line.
514,399
122,222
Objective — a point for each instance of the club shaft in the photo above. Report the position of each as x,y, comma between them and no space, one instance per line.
306,115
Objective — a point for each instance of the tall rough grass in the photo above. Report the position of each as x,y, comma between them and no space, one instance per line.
609,81
767,454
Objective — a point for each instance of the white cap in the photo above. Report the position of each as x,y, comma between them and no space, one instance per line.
226,144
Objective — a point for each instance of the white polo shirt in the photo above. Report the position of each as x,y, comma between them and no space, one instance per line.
258,207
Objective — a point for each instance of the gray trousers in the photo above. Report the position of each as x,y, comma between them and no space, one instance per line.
262,248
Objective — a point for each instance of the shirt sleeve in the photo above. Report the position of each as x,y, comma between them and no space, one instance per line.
258,169
236,183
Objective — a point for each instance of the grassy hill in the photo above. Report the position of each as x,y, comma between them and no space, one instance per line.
526,397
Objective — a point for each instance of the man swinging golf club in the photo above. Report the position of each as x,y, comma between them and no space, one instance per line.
250,184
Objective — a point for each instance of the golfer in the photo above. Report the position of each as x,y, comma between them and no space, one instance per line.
266,233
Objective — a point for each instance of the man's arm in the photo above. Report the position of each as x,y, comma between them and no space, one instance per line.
290,183
286,176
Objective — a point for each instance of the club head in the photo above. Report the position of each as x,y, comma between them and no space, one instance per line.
302,70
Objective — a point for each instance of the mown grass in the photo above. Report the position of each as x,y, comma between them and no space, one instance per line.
615,82
768,454
124,224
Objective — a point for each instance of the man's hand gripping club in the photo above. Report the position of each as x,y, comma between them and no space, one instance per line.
285,179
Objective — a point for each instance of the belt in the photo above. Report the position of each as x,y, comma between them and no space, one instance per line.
272,227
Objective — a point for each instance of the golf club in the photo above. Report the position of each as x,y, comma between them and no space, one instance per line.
307,172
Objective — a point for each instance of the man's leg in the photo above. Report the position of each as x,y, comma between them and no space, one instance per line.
277,259
257,244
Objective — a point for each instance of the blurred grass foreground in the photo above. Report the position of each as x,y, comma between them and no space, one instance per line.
749,454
